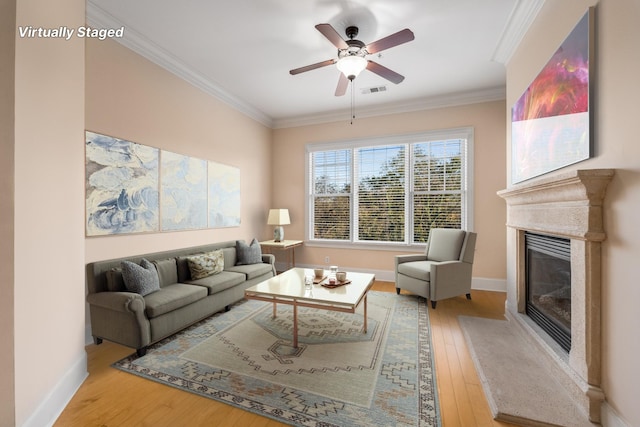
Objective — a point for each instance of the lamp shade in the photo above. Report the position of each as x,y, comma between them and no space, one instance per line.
351,65
278,217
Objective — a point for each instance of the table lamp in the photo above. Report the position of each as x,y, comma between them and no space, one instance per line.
278,217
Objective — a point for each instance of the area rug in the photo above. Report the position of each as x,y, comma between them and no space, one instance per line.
338,375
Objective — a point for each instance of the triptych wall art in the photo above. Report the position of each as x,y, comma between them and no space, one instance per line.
133,188
551,123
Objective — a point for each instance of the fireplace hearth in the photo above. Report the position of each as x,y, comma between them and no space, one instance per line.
548,285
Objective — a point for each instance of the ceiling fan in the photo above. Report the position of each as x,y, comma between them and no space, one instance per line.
352,55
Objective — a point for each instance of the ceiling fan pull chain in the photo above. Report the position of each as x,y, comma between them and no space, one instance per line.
353,101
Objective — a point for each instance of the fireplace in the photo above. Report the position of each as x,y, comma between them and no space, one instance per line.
548,285
569,208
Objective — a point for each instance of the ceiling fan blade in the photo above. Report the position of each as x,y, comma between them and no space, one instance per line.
312,67
382,71
395,39
343,82
332,35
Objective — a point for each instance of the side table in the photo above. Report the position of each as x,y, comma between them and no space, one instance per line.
288,246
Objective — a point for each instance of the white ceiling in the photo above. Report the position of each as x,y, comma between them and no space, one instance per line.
241,51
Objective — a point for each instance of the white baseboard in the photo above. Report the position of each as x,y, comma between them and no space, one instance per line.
610,418
52,406
485,284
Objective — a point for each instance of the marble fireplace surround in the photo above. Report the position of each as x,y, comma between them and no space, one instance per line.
567,205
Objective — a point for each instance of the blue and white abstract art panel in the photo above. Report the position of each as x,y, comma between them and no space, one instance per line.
224,196
183,202
121,186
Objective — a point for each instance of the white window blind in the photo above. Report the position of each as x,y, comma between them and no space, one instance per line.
390,190
331,178
380,173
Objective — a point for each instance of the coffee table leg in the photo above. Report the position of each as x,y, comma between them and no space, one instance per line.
295,326
365,313
274,310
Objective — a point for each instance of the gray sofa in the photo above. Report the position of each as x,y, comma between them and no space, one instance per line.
136,321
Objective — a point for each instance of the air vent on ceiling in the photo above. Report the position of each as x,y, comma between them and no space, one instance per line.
375,89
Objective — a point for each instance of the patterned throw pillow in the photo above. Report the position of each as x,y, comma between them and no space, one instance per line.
248,254
141,279
206,265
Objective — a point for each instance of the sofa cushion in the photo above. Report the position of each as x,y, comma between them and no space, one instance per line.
219,282
115,281
167,271
172,297
184,275
248,254
206,264
253,270
230,257
417,269
141,279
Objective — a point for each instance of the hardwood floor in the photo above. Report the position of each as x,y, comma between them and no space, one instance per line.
112,398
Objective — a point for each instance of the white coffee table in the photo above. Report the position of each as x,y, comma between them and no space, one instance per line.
289,288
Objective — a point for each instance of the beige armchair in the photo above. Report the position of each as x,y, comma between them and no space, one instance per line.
443,271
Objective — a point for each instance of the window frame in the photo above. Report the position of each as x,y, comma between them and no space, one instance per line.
465,133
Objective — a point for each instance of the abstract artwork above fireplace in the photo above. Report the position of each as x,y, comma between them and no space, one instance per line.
551,122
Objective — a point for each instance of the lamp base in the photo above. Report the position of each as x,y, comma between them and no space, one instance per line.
278,234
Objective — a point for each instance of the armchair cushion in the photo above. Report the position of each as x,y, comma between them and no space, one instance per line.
445,244
417,269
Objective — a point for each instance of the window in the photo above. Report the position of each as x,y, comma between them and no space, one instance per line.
389,190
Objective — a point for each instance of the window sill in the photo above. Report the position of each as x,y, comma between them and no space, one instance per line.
390,247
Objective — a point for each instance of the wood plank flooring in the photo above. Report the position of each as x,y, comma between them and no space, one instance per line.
112,398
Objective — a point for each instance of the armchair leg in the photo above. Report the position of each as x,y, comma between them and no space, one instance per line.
433,304
141,351
468,296
398,291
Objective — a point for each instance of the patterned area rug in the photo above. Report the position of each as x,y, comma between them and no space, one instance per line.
338,375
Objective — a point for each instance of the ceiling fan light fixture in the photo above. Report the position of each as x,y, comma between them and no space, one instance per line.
351,65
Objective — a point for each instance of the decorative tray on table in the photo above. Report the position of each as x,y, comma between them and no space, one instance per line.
337,284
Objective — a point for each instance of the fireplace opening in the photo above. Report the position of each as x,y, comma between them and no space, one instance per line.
548,285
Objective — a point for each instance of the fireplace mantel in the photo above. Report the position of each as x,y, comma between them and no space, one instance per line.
567,205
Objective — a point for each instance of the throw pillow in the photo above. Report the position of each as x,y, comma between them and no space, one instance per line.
248,254
141,279
206,265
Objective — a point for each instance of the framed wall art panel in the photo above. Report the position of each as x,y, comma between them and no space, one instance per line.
121,186
224,196
552,122
183,198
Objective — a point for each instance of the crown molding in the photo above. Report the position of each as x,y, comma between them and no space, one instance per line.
521,18
138,43
442,101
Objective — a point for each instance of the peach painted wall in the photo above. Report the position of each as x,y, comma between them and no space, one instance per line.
131,98
488,122
7,148
50,360
616,114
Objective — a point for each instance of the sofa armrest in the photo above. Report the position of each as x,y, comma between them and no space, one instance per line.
269,259
119,317
118,301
